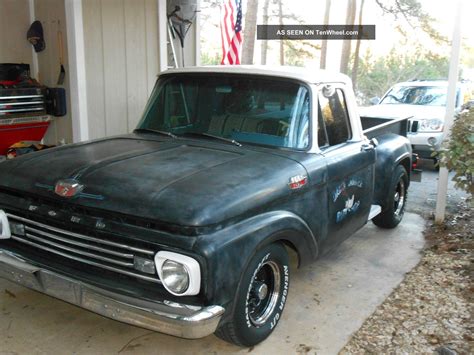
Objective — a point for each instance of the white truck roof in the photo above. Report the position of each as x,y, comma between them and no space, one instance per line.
312,76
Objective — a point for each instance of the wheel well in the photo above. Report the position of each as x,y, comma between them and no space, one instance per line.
292,252
406,163
302,248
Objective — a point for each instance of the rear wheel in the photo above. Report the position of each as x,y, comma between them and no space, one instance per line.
260,298
392,214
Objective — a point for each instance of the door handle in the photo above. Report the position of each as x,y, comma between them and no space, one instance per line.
366,147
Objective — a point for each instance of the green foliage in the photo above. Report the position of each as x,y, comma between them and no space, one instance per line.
458,152
208,59
411,13
376,76
296,52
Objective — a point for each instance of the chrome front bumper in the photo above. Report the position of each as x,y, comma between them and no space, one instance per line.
176,319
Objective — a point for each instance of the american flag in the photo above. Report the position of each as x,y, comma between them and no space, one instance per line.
231,28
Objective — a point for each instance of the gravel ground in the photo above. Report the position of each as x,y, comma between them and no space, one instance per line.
431,310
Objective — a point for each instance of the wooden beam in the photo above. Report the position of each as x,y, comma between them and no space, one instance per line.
77,70
449,116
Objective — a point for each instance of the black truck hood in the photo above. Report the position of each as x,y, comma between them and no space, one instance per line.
182,182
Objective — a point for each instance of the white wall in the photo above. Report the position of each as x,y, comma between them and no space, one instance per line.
51,13
14,23
121,54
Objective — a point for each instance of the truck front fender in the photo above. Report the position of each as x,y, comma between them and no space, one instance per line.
229,250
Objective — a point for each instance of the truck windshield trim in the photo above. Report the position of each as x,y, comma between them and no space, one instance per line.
248,109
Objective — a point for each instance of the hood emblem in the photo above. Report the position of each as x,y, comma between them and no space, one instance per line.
68,188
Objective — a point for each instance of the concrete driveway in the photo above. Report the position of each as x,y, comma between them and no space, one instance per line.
328,301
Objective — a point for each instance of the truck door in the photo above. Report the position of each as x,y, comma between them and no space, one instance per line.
350,166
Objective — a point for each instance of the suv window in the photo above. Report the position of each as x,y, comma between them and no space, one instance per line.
417,95
334,127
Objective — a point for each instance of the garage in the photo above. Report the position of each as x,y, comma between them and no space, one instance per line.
121,45
149,203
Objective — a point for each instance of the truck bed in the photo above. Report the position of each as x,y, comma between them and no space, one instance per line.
376,126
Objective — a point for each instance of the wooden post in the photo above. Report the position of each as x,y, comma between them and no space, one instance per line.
77,70
449,117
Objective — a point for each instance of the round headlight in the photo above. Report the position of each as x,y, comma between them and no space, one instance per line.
180,274
175,276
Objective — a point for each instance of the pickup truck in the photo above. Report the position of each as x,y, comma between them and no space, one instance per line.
185,225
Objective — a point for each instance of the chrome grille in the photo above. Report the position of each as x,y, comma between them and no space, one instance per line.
101,253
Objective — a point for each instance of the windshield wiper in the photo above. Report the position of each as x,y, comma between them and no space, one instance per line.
164,133
232,141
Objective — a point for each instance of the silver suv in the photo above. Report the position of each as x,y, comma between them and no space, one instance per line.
425,101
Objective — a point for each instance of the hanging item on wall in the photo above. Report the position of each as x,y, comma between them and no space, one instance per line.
62,71
35,36
181,19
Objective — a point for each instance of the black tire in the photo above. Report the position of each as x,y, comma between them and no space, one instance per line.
392,214
254,315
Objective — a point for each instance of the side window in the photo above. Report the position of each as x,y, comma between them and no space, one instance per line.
334,127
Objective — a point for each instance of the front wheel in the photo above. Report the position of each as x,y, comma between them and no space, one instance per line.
260,298
392,214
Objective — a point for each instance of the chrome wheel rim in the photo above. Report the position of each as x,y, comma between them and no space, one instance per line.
263,293
399,198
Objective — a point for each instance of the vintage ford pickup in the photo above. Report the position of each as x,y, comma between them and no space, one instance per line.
185,225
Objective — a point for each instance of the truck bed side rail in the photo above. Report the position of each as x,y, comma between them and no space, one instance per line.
376,126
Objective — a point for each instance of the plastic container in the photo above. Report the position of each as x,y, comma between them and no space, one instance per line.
14,130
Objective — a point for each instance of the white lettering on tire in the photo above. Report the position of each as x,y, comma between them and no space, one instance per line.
277,315
276,318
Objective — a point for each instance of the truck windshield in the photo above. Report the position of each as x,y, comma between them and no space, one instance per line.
417,95
246,109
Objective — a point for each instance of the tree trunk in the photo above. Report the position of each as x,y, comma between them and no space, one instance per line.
250,30
282,44
264,43
355,67
346,45
324,44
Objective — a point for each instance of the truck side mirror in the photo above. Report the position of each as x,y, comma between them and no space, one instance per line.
328,91
375,100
